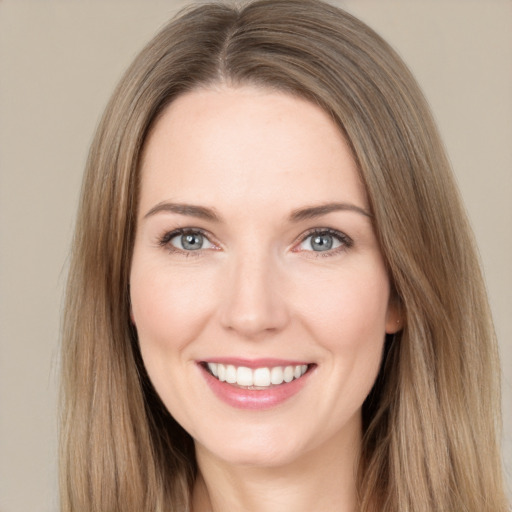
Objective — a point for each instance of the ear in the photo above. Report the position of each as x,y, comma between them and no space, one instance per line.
394,316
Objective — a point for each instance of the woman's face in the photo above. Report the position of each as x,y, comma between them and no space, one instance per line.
258,289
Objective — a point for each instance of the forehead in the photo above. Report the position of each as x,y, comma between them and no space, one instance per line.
239,146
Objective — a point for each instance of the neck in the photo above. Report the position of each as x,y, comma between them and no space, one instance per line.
322,479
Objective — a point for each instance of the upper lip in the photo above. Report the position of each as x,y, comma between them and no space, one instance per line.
255,363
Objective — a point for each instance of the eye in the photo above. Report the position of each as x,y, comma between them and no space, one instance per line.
324,240
186,240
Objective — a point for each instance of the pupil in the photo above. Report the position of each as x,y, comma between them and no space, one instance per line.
322,242
192,242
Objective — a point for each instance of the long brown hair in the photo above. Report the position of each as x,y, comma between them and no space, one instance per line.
431,423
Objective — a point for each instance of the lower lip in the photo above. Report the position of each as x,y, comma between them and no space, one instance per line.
242,398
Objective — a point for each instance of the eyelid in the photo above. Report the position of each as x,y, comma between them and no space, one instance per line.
165,239
344,239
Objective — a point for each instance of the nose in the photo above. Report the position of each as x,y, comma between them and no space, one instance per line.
254,303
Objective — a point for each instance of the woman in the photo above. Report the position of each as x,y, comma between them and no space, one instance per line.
274,301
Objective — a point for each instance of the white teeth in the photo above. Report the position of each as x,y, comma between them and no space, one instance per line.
276,375
259,377
288,373
244,376
213,368
230,374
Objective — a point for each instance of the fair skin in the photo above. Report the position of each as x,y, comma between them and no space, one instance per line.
255,248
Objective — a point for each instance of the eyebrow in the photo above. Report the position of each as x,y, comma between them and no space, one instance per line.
190,210
297,215
317,211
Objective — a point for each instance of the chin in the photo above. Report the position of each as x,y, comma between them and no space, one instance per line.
265,448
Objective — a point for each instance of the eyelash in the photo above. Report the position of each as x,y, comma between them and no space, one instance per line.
345,241
165,241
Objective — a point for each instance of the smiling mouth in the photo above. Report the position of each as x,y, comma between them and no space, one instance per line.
256,378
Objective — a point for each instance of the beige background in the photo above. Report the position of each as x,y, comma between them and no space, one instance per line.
59,61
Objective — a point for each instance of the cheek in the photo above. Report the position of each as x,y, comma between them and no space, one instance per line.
165,302
169,311
348,320
349,310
